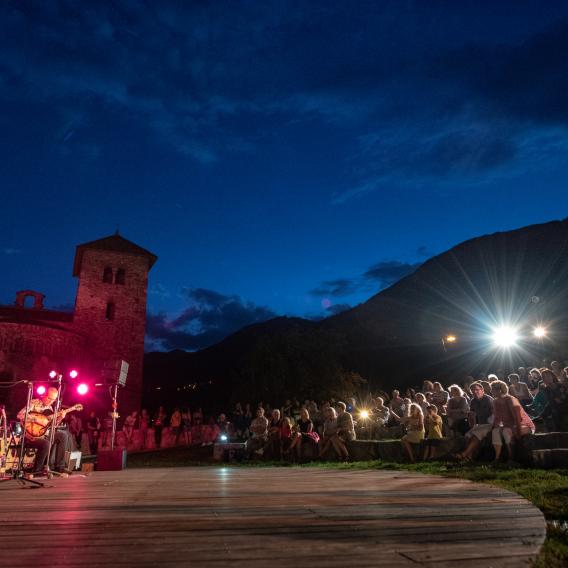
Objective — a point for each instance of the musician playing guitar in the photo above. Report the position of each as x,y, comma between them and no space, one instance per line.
37,428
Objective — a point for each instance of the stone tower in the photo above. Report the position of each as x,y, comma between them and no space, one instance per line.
110,308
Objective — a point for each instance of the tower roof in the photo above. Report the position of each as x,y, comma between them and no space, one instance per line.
114,243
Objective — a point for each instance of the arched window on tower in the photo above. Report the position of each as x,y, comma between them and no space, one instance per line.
107,275
110,311
120,276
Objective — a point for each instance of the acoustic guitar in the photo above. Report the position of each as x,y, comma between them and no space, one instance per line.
38,424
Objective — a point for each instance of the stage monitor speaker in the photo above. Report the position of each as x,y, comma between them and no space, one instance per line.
111,460
115,372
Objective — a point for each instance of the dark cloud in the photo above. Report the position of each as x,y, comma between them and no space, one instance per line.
210,317
335,309
376,277
389,272
336,288
183,72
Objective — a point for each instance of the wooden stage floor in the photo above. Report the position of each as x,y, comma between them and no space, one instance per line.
251,517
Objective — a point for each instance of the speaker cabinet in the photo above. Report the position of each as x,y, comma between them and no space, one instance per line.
111,460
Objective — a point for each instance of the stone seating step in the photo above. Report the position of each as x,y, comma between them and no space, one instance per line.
392,450
548,458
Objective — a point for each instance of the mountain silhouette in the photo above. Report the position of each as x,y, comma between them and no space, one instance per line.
396,338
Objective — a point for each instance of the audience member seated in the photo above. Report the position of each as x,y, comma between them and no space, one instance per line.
303,434
279,434
414,423
480,420
519,390
396,404
440,398
345,431
510,422
225,427
259,432
539,403
329,430
457,411
210,432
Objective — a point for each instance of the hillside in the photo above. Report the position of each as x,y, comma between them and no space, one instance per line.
395,338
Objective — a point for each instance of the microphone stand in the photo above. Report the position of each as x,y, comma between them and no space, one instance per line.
18,472
51,472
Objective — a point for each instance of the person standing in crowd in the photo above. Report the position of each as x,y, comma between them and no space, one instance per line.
175,424
186,425
93,431
130,423
556,369
159,423
76,428
433,425
144,426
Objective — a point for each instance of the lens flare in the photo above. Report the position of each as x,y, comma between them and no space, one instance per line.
505,336
539,332
364,414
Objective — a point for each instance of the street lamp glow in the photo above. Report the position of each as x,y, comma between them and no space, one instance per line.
505,336
539,332
451,338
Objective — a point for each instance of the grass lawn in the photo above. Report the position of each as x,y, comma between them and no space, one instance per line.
546,489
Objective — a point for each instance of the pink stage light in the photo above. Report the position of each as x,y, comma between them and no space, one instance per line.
82,389
53,374
73,374
41,390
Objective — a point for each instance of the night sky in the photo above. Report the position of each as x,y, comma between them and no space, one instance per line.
280,158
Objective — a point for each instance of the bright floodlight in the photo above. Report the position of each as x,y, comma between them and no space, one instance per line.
364,414
505,336
82,389
451,338
539,332
73,374
53,374
223,437
41,390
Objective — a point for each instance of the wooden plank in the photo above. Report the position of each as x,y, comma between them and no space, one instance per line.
254,517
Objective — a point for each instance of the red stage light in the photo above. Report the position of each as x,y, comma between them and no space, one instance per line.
41,390
73,374
53,374
82,389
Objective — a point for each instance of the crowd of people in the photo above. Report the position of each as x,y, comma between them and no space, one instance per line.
493,410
